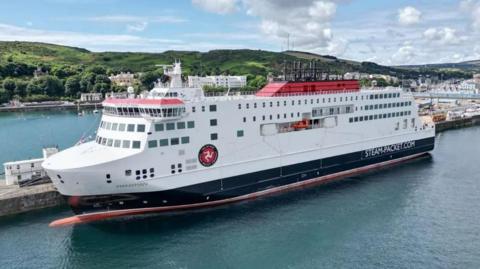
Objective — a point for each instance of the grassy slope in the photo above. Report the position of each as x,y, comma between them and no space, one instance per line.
231,61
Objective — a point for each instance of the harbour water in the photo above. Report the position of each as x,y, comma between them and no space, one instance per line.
422,214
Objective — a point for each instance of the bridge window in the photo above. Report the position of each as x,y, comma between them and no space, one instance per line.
114,126
141,128
152,143
136,144
185,140
174,141
213,122
181,125
159,127
213,108
214,136
170,126
131,127
190,124
117,143
163,142
126,144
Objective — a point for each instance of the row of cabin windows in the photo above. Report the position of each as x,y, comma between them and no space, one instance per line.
122,127
384,96
117,143
212,108
317,100
389,105
160,127
379,116
279,116
137,111
141,173
166,142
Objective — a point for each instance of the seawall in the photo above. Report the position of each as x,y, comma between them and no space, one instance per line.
455,124
15,200
49,107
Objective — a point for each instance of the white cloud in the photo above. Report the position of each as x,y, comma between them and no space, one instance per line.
136,19
409,16
404,55
305,22
472,7
446,36
217,6
89,41
136,23
323,11
137,27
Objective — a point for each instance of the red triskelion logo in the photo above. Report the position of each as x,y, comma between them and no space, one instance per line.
208,155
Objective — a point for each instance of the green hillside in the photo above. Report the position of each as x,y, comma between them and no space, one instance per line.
74,70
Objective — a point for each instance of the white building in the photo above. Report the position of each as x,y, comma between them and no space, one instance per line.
26,169
91,97
230,82
122,79
468,85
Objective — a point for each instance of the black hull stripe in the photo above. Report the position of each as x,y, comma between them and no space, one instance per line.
232,187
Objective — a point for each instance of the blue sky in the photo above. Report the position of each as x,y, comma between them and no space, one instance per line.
387,32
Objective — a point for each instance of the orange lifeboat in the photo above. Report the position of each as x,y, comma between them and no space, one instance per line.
301,125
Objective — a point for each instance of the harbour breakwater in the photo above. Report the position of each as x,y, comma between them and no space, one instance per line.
15,200
458,123
41,107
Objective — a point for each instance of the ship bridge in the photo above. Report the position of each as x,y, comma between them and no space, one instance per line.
164,108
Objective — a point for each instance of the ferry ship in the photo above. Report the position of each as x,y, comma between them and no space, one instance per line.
179,148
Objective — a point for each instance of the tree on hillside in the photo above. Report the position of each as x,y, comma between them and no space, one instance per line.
102,84
258,82
53,86
21,88
47,85
72,86
9,85
87,82
34,88
4,98
148,78
97,70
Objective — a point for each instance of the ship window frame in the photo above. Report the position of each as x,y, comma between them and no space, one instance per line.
152,144
126,144
214,122
213,108
190,124
159,127
174,141
169,126
181,125
240,133
214,136
117,143
130,128
110,142
136,144
114,126
164,142
141,128
185,140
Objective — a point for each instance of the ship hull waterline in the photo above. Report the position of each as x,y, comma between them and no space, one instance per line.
232,197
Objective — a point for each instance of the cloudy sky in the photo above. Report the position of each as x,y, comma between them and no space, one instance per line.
386,32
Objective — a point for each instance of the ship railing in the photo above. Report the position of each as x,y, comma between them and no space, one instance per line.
231,93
